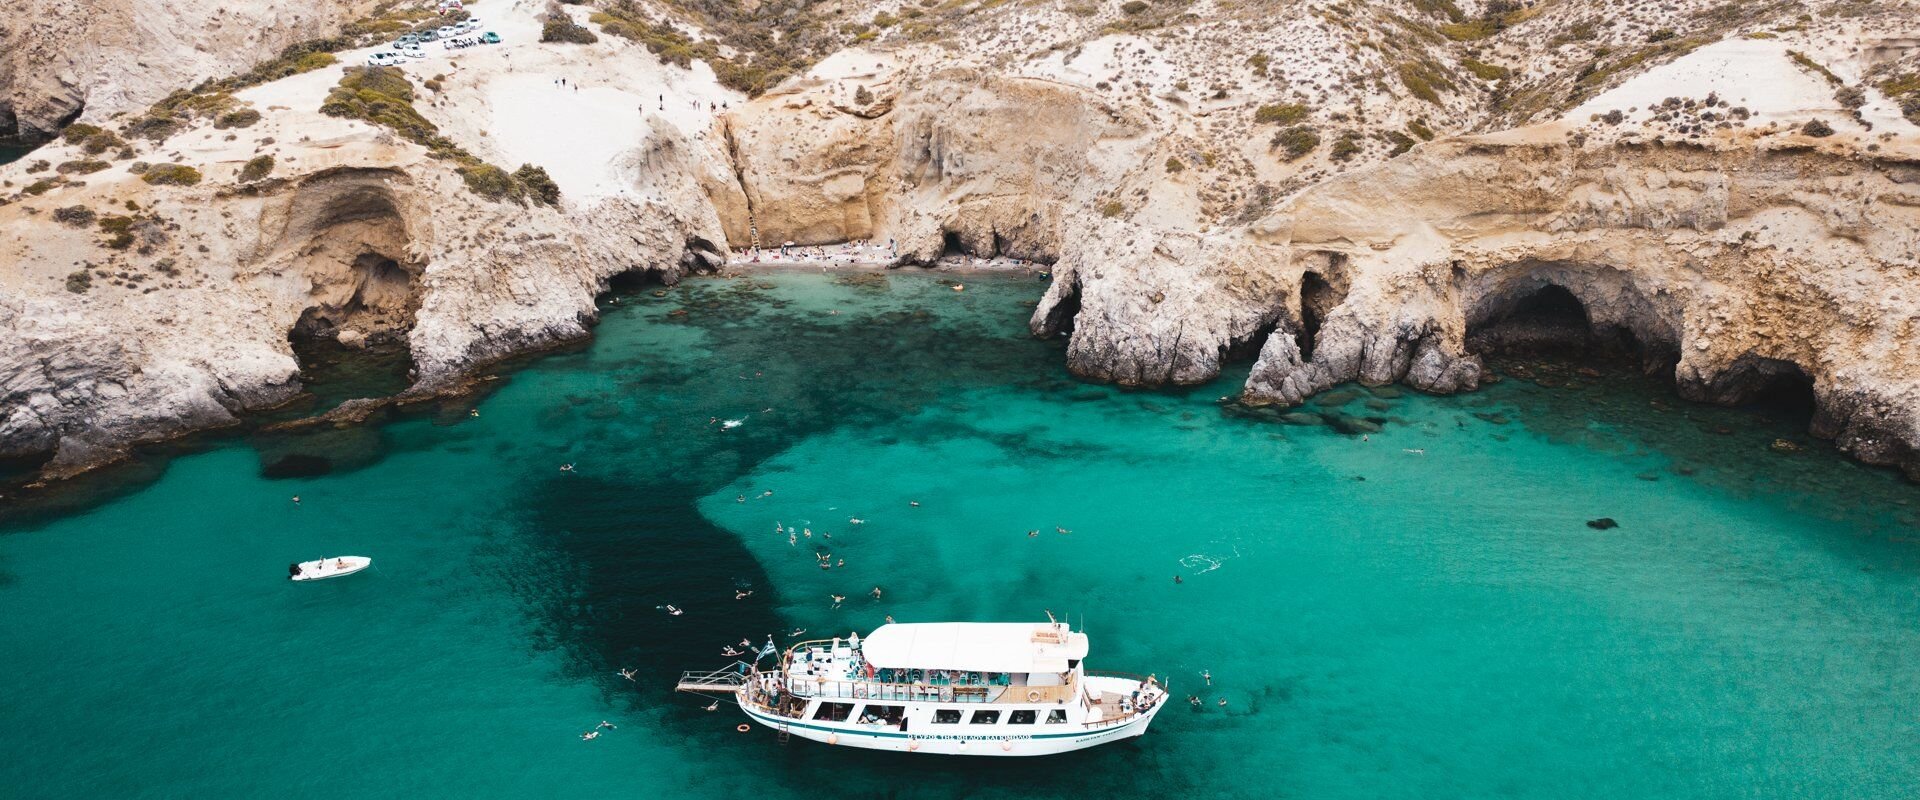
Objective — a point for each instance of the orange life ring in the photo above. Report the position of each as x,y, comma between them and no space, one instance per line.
743,727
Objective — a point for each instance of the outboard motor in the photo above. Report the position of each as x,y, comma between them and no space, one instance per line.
293,571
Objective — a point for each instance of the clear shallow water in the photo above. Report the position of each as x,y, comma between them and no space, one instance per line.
1447,626
11,153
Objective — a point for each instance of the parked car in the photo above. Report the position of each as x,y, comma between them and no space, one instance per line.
383,59
447,30
426,36
406,39
491,38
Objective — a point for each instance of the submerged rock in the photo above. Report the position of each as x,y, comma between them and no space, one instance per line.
1602,524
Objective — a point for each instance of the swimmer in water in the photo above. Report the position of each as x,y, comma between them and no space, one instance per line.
767,493
807,532
589,736
1206,676
1059,529
914,503
856,521
792,540
838,599
566,467
1193,700
714,707
797,631
875,593
605,724
1033,533
1177,579
1223,702
627,673
739,498
840,563
296,498
889,619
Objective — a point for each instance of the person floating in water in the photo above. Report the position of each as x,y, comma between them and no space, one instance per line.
714,707
1033,533
628,673
1178,579
567,467
838,599
1207,676
589,736
604,724
1193,700
1060,529
875,593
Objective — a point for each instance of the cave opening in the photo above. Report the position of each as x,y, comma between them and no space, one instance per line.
950,245
1547,321
1318,297
352,342
1773,387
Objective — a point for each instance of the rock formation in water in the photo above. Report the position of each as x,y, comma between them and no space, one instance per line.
1343,191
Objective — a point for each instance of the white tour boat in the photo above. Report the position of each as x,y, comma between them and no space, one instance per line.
327,568
957,688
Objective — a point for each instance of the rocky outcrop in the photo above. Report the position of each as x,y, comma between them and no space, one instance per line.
358,235
62,59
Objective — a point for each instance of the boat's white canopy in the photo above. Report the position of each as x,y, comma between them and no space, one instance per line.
975,646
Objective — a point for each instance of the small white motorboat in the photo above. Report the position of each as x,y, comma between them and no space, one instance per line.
327,568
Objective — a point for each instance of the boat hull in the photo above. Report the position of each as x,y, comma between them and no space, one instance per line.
1041,743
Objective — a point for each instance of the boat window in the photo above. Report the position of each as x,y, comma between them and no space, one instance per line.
946,716
1024,716
986,717
882,715
1057,716
834,712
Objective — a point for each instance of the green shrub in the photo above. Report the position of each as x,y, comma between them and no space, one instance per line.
1296,141
1281,114
101,142
562,29
1417,81
83,167
1174,165
1133,7
1259,62
256,168
119,231
1419,128
171,175
78,281
491,182
1485,71
40,187
77,216
1400,141
1347,147
539,186
861,96
243,118
1112,208
79,132
1817,128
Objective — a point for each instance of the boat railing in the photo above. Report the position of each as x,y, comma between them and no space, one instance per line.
724,680
1135,711
926,693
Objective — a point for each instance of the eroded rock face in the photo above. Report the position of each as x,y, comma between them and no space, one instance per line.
61,59
356,237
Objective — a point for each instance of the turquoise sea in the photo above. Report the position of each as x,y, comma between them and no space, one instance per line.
1422,612
10,153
